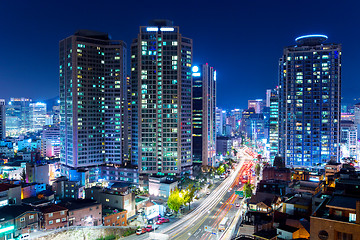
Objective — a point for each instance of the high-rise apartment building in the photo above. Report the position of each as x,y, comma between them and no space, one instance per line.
92,81
309,101
203,115
161,61
274,124
2,119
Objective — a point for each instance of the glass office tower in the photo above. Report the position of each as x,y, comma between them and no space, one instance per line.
203,115
309,101
92,74
161,61
274,123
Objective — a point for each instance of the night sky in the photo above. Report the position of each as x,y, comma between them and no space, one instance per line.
243,40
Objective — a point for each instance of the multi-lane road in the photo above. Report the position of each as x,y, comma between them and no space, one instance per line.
202,223
220,204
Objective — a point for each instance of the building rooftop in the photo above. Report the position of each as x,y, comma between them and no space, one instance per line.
299,201
11,212
7,186
338,201
263,234
311,40
52,208
288,228
78,204
92,34
111,211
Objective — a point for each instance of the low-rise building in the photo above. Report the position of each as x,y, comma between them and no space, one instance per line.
114,217
336,218
276,173
10,194
83,212
16,220
113,198
298,206
31,189
64,188
53,216
162,186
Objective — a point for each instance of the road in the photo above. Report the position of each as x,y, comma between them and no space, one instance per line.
210,212
214,208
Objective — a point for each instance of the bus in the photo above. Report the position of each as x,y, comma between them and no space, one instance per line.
222,225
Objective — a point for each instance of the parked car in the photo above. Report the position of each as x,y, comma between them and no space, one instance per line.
164,220
140,231
169,214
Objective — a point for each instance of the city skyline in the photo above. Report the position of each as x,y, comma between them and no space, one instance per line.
44,30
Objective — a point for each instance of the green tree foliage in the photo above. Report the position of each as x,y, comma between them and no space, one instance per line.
175,201
248,188
220,170
257,169
188,194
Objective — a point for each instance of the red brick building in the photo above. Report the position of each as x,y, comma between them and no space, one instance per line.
276,173
114,217
53,216
83,212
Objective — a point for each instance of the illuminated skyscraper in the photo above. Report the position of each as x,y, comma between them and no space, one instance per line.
18,115
274,123
2,119
309,101
161,61
92,83
203,115
38,115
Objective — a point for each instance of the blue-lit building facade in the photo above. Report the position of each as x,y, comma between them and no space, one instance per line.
274,124
309,101
161,61
203,115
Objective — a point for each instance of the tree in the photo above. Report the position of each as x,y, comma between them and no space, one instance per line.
175,201
220,170
248,188
257,169
188,194
5,175
23,175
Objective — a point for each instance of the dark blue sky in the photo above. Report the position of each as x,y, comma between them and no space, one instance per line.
243,40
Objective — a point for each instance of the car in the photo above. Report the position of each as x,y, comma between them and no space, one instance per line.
25,236
237,205
169,214
208,193
230,189
140,231
164,220
149,228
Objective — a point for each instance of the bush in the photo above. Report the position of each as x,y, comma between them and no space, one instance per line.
110,237
128,233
